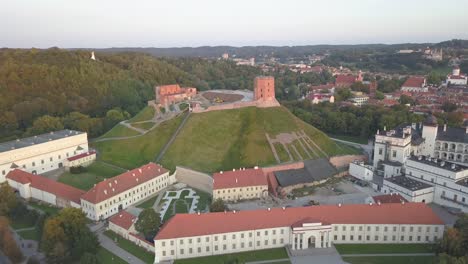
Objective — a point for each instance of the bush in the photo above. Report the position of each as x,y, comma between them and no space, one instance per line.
78,170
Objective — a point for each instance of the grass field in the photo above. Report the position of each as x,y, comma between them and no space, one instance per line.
21,223
350,138
32,234
145,126
282,154
44,208
106,257
120,131
95,173
148,203
243,257
134,152
222,140
383,248
390,260
146,113
130,247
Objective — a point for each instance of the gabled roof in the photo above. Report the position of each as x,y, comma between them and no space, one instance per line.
188,225
414,82
239,178
345,79
123,182
47,185
123,219
82,155
389,198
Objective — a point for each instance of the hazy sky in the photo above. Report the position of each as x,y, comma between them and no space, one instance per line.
176,23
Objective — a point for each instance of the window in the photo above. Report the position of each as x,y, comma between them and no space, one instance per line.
181,241
242,235
368,228
427,238
418,238
266,242
428,229
216,238
436,229
394,229
385,229
385,238
411,229
163,243
181,251
224,247
274,232
242,245
234,236
380,151
402,238
394,154
419,229
258,243
336,228
281,241
377,228
344,228
282,231
224,237
410,238
172,243
164,253
216,248
351,237
199,250
335,237
359,237
343,237
403,229
274,241
393,238
250,244
190,241
266,232
250,234
258,233
360,228
207,239
367,238
352,228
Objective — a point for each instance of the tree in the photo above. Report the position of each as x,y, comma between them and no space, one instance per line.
45,124
8,199
434,78
343,94
379,95
10,248
449,107
148,223
89,258
218,205
405,99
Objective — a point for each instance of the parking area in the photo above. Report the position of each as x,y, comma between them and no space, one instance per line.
344,192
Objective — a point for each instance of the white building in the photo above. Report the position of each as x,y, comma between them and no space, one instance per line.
415,84
240,184
42,153
456,78
412,190
300,228
361,171
115,194
359,100
31,186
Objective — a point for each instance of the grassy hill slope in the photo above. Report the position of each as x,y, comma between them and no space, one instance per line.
223,140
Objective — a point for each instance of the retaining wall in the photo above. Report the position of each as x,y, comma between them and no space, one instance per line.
194,179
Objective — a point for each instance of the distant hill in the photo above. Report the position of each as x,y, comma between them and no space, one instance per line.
222,140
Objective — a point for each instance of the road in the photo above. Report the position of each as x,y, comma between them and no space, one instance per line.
168,144
110,245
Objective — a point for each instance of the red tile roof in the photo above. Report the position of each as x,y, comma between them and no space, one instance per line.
82,155
182,225
414,82
123,182
123,219
389,198
345,79
239,178
47,185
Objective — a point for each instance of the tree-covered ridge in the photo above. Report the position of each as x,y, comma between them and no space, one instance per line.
54,88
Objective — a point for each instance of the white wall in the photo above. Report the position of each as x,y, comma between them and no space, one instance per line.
361,171
424,195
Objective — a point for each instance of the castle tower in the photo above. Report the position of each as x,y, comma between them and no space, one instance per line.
429,134
92,56
456,71
264,88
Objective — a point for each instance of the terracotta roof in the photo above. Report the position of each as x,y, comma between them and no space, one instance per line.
123,219
182,225
47,185
123,182
459,77
345,79
389,198
82,155
414,82
239,178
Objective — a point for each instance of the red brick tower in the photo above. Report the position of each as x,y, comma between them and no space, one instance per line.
264,88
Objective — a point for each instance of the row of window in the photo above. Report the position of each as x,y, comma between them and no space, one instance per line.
384,238
225,247
386,228
225,237
240,190
33,164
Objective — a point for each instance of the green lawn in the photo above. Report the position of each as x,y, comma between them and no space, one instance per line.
145,126
349,149
391,260
282,154
146,113
130,247
222,140
95,173
106,257
383,248
203,201
21,223
120,131
181,206
44,207
148,203
134,152
243,257
32,234
183,106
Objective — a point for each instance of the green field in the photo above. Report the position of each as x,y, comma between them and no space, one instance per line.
145,125
148,203
391,260
145,114
222,140
243,257
130,247
354,139
44,207
383,248
120,131
95,173
21,223
32,234
134,152
282,154
106,257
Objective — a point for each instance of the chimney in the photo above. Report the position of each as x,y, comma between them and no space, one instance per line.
269,209
236,180
339,205
445,127
385,128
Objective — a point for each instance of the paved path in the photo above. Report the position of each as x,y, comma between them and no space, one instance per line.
158,199
390,255
268,261
168,144
108,244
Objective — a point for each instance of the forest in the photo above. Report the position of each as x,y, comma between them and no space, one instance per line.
52,89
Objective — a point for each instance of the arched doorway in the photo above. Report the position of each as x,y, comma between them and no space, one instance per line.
311,242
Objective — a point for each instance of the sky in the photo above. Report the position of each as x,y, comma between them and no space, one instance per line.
182,23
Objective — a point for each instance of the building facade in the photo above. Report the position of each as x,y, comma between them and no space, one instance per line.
456,78
242,184
115,194
169,94
42,153
415,85
264,88
298,228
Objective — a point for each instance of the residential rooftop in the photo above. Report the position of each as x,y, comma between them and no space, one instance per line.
443,164
314,170
239,178
408,183
452,134
39,139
